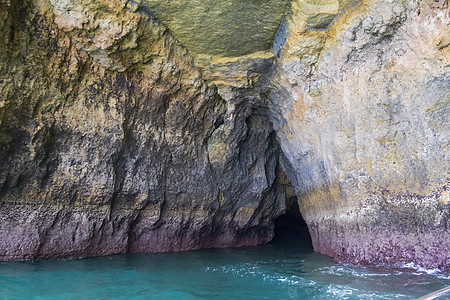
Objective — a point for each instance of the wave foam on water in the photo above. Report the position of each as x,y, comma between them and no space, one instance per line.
365,272
421,270
360,272
336,281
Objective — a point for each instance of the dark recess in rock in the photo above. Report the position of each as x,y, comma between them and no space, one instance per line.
291,226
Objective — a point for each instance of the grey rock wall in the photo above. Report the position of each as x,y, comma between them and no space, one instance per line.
112,142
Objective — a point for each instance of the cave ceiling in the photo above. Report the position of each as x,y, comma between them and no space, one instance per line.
226,28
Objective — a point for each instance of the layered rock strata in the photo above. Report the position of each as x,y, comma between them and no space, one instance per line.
361,107
111,141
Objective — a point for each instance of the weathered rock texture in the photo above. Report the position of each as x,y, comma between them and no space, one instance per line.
224,28
361,108
111,141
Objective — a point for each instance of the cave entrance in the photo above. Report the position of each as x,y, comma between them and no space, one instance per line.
291,228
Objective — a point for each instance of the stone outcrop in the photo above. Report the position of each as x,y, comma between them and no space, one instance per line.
227,28
360,106
113,138
111,141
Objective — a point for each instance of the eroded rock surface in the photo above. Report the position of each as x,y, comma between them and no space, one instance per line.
111,141
360,109
227,28
114,139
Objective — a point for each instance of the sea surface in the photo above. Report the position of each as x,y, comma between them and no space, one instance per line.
285,270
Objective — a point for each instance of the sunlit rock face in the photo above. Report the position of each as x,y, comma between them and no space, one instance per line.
148,126
360,109
223,28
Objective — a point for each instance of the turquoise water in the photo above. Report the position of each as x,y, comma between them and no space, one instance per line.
278,271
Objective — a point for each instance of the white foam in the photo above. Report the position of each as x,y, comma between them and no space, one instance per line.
339,292
350,271
421,270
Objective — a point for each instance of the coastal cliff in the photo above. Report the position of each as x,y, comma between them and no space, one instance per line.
112,142
360,107
115,137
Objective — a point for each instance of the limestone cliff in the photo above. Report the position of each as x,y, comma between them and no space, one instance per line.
111,141
113,138
361,108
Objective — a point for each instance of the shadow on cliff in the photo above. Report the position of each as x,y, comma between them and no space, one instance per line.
290,228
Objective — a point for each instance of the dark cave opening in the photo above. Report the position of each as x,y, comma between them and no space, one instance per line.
291,227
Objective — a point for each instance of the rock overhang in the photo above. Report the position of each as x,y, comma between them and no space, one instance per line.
226,28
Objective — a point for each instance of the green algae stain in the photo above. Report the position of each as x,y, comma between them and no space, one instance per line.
224,27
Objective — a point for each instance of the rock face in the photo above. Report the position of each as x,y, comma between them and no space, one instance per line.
360,109
113,139
226,28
